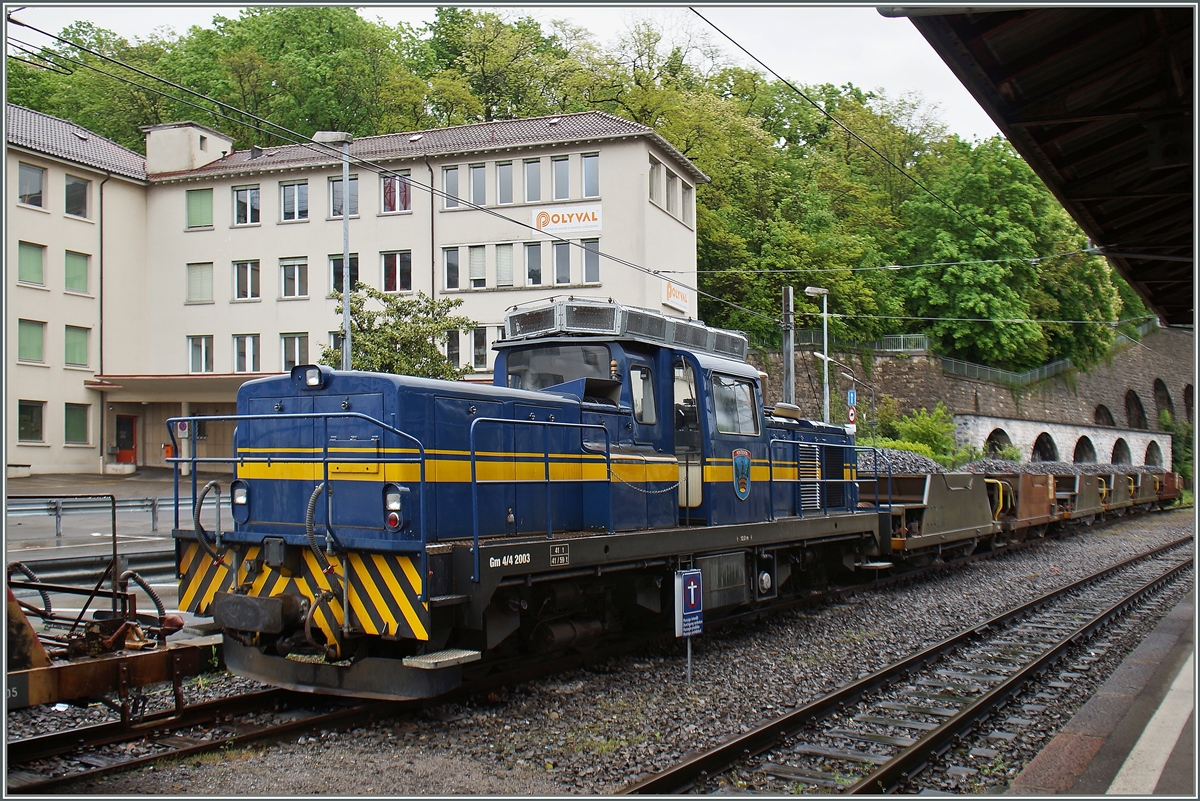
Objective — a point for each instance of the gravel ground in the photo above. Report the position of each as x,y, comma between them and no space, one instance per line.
901,463
1000,466
593,731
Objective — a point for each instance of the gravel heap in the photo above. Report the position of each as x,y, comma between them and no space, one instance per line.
902,463
594,730
1000,466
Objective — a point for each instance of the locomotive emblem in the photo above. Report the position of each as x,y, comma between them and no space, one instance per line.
741,473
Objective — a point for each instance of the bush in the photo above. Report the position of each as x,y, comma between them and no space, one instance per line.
1182,461
935,429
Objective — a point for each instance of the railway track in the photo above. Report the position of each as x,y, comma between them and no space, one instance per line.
53,760
917,709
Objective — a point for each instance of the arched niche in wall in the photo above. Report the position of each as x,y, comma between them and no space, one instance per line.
1120,454
1162,400
1085,451
996,441
1104,416
1044,449
1153,454
1135,413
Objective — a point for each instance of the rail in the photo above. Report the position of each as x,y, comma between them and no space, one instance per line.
546,425
241,459
79,506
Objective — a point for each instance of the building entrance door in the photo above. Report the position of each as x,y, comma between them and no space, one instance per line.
126,439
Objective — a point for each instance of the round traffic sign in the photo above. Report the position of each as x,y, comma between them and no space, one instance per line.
850,414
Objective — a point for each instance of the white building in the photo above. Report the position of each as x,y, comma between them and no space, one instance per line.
220,264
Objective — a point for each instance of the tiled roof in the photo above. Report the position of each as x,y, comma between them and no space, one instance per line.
575,127
66,140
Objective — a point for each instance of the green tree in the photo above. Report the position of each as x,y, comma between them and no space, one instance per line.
935,429
1182,459
400,335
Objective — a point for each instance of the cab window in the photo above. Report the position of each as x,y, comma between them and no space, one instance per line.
641,388
735,405
547,366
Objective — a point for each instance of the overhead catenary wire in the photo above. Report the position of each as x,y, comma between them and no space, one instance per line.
317,147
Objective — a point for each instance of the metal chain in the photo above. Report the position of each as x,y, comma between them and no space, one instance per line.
671,488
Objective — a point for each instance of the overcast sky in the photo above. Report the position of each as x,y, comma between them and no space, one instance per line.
809,45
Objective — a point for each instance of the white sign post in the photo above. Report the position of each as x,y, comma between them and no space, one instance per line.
689,609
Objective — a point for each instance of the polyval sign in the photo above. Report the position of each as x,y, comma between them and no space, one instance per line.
568,219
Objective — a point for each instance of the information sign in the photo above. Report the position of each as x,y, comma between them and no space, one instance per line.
181,429
689,603
851,398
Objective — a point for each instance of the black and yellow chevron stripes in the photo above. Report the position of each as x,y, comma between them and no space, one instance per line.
201,578
383,591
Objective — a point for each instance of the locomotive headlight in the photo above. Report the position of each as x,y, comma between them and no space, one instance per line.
239,500
312,377
391,498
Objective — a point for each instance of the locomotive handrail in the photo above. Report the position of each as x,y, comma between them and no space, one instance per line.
546,426
821,467
236,459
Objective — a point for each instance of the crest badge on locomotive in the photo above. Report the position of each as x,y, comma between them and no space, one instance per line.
741,473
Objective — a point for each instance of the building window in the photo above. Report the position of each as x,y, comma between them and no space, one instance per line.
504,265
451,259
245,353
477,266
335,268
533,264
77,196
452,348
246,280
591,175
199,208
199,283
75,275
76,346
672,193
293,277
562,177
29,185
655,181
203,143
31,337
687,204
295,350
335,341
75,424
29,421
397,193
479,184
335,196
397,271
245,205
201,350
562,263
294,200
450,186
30,259
591,261
504,186
479,348
533,181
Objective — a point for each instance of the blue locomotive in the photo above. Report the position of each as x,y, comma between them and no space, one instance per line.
388,530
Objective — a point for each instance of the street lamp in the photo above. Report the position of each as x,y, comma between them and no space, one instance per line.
344,139
812,292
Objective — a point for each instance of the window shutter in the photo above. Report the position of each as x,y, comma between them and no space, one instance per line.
75,428
29,263
504,265
199,208
200,285
77,272
76,346
477,262
29,340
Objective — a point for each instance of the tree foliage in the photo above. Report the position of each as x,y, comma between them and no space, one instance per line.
795,199
400,335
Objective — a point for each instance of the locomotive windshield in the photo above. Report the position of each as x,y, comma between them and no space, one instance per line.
541,367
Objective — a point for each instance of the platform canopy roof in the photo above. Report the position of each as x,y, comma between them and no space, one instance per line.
1098,101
